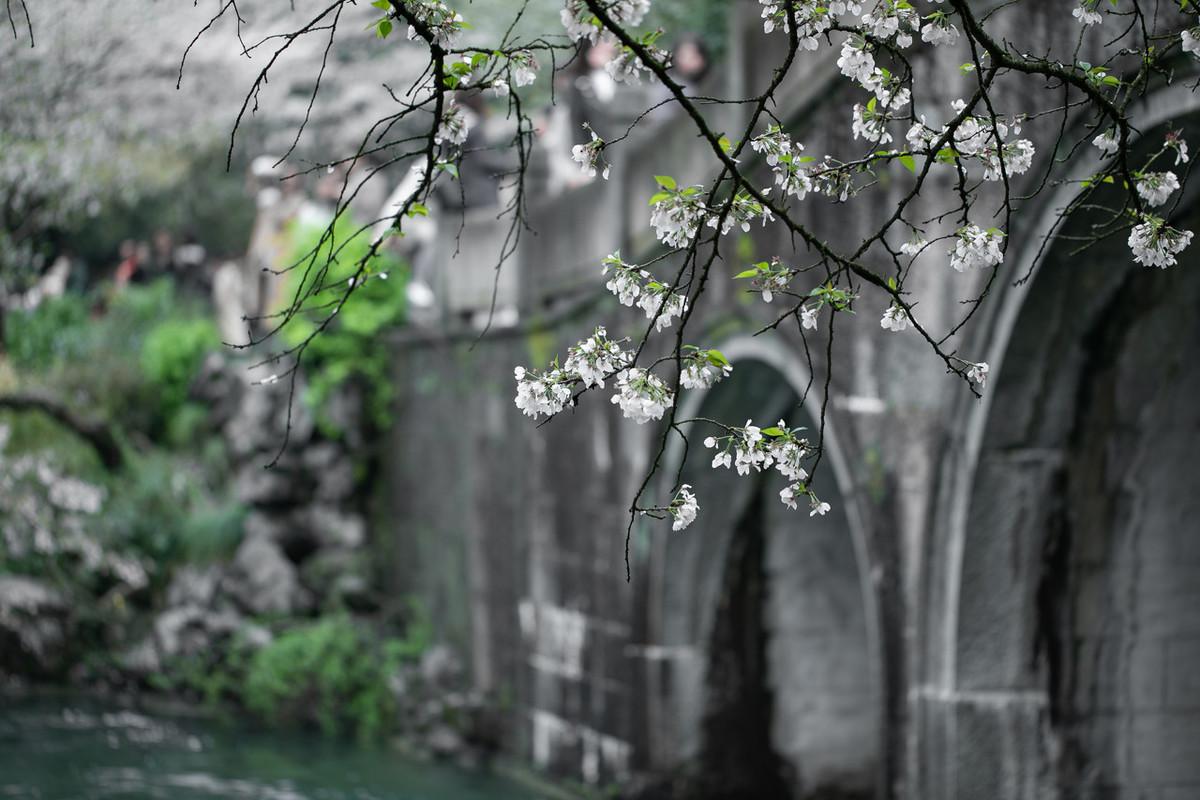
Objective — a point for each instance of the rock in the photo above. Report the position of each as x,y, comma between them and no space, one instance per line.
191,630
334,528
286,529
264,581
194,585
260,422
218,387
33,627
340,578
331,470
276,486
444,742
440,667
142,659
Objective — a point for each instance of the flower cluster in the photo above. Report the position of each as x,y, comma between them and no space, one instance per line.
1086,13
595,358
661,304
523,68
442,24
627,67
976,247
749,448
703,368
632,284
813,17
589,155
1156,244
454,126
783,157
1155,187
1191,41
542,393
642,395
581,23
683,508
768,277
676,213
894,319
978,373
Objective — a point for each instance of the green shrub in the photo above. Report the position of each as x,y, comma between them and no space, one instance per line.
49,334
172,353
351,348
329,672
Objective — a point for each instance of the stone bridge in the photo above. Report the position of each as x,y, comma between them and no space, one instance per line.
1003,603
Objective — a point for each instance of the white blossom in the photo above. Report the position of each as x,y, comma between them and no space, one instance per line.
1087,14
523,67
542,394
1018,157
1106,142
894,319
642,395
1191,41
978,373
913,246
976,247
595,358
661,304
1156,244
701,370
939,31
676,218
817,507
684,508
454,126
870,124
1155,187
808,318
588,156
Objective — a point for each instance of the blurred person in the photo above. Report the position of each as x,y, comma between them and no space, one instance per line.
690,61
128,266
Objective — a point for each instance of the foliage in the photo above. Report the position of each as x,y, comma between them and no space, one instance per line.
172,353
351,347
162,507
329,671
126,355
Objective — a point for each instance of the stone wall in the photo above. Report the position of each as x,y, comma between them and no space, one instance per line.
999,607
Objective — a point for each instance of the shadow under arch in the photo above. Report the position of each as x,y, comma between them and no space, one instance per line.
1051,639
763,620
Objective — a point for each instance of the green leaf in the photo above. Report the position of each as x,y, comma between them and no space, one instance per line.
773,431
717,357
746,273
418,210
384,28
909,163
725,144
665,181
658,197
382,5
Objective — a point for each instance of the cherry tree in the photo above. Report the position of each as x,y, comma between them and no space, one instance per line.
761,175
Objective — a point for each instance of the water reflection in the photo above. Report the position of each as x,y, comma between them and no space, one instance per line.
72,748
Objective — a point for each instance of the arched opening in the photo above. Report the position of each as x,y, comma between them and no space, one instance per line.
1076,645
769,683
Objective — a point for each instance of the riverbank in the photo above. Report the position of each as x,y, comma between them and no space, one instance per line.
66,745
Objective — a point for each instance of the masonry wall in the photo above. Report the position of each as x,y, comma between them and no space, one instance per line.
1002,604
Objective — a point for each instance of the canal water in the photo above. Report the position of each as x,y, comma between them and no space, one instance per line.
66,747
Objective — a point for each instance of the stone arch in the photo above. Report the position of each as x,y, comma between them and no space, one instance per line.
1059,635
817,690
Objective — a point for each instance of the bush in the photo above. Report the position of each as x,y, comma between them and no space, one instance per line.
49,334
172,354
351,348
329,672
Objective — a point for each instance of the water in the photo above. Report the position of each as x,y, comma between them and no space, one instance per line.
75,748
